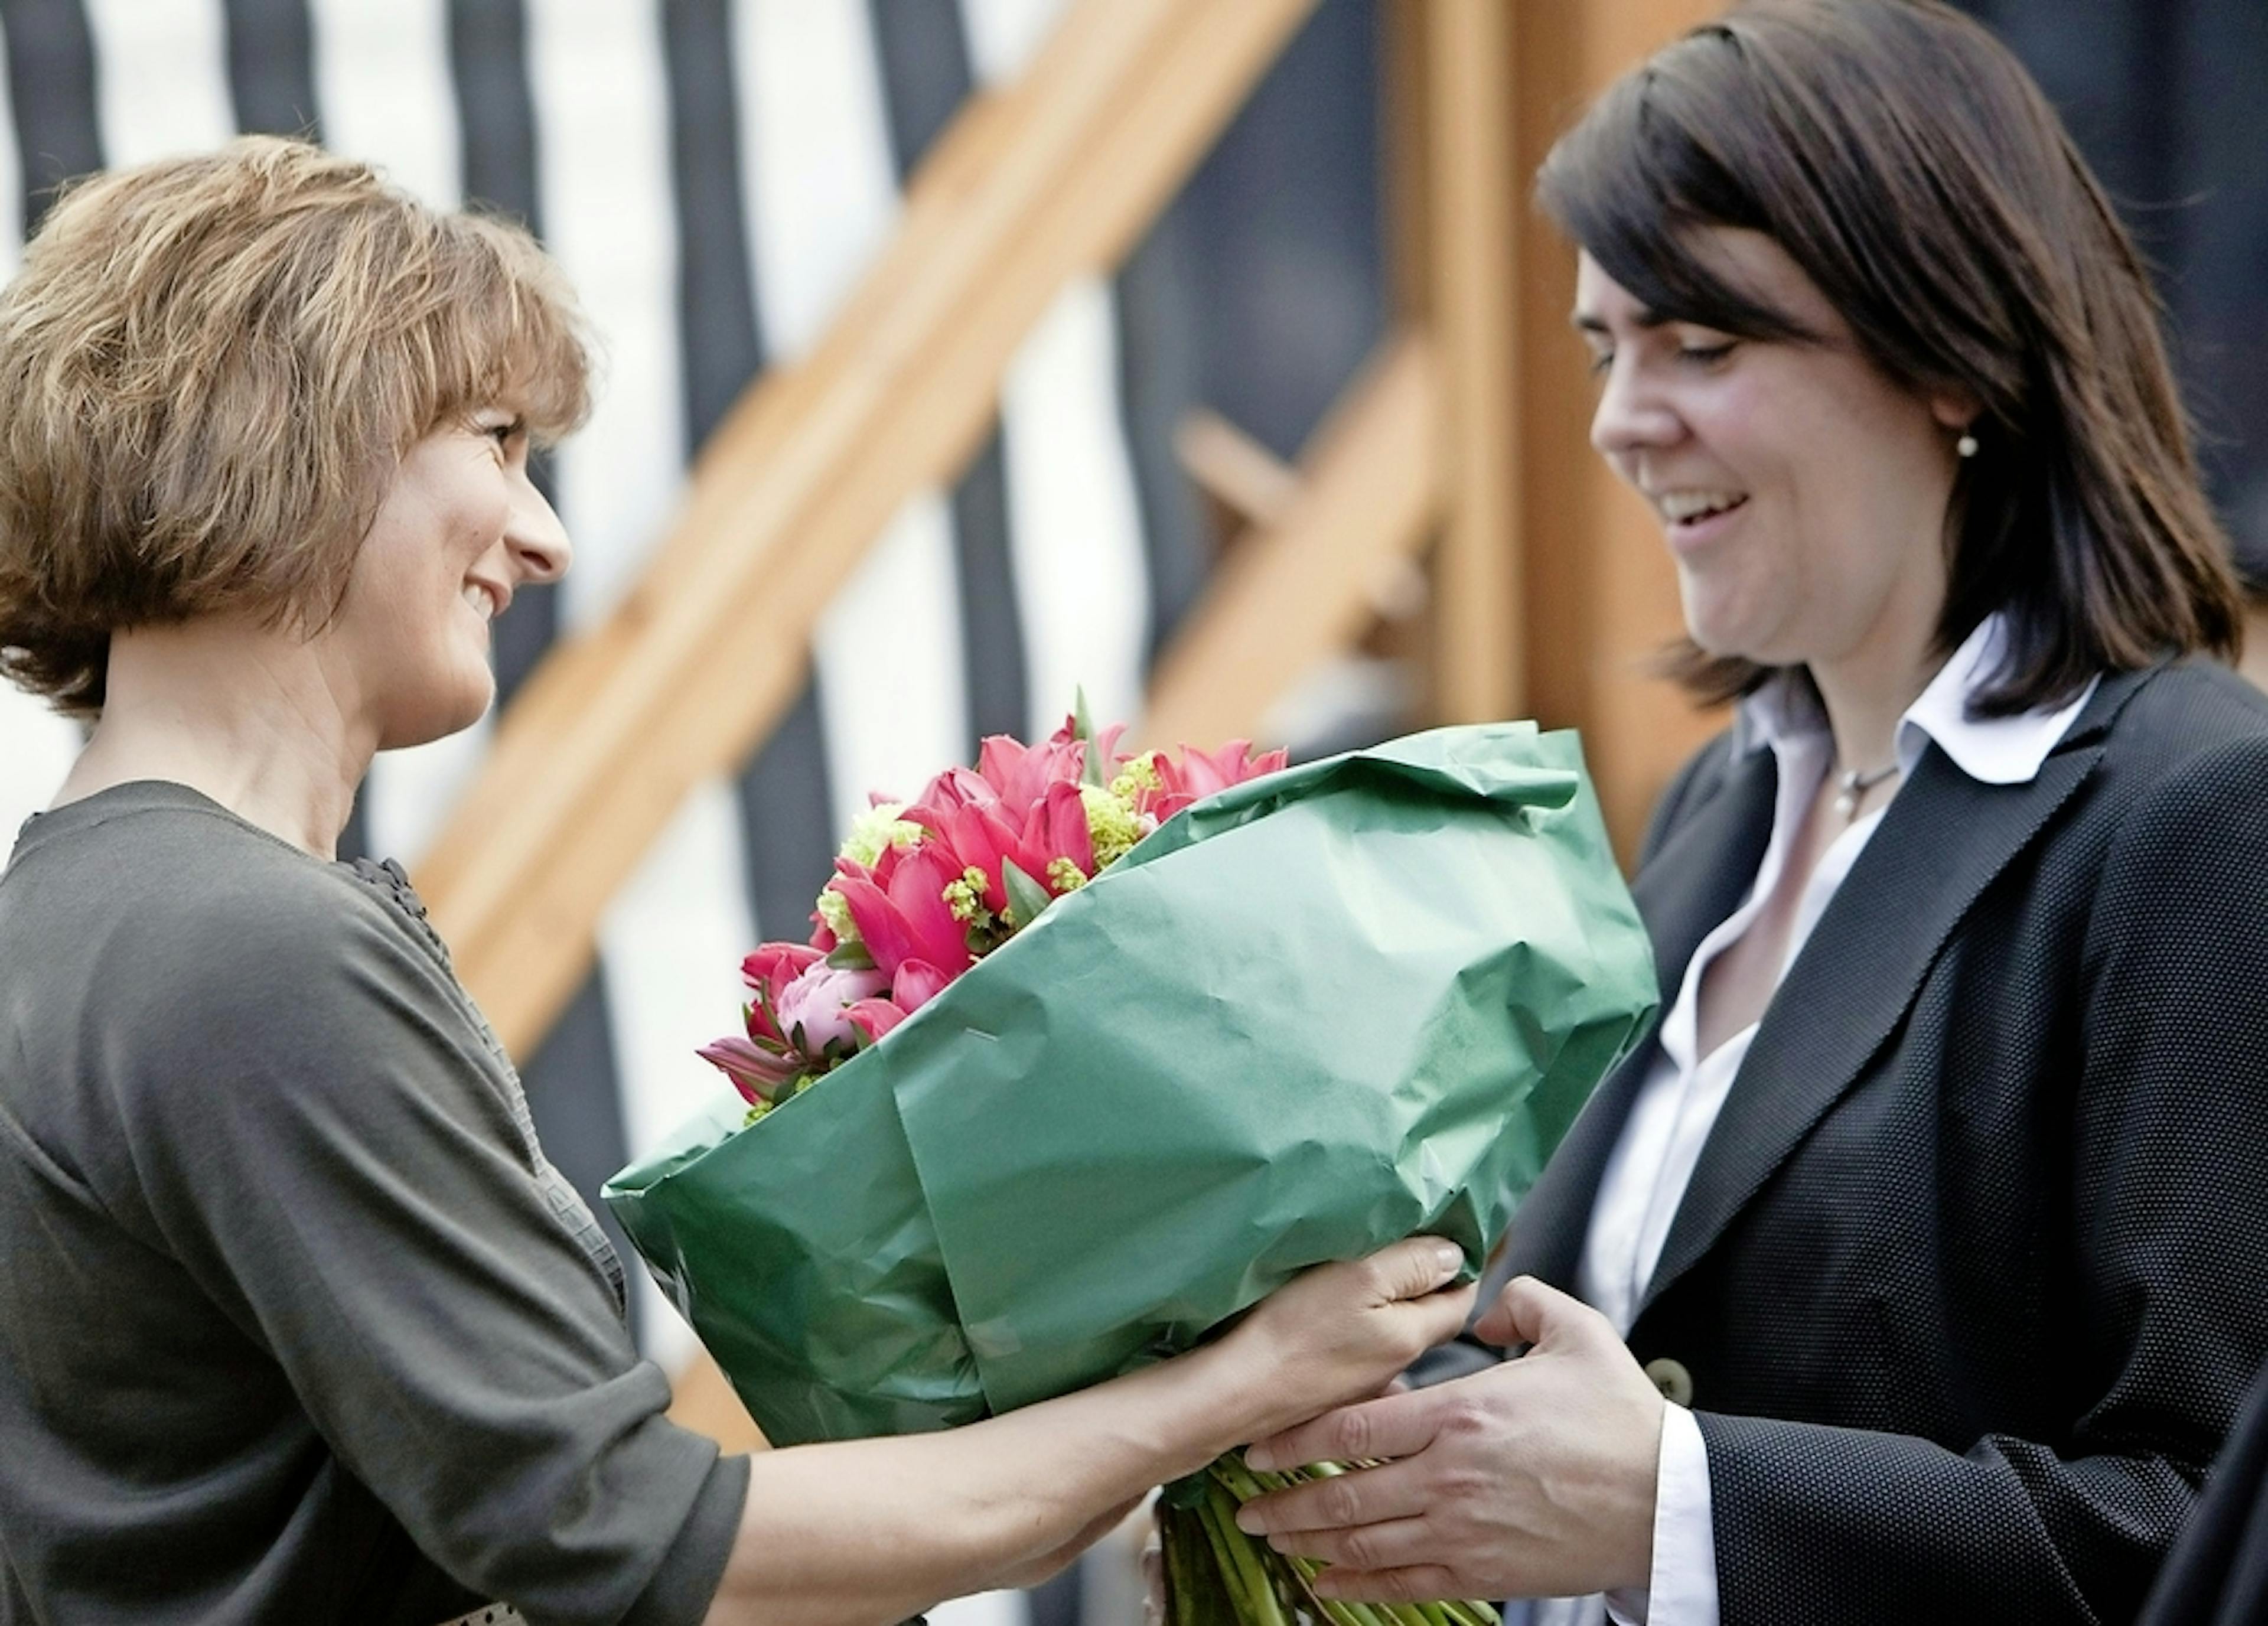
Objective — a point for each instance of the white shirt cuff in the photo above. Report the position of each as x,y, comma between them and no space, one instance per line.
1682,1590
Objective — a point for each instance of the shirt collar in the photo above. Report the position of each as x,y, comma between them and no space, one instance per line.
1999,750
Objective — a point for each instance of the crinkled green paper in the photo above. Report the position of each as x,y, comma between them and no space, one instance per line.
1311,1015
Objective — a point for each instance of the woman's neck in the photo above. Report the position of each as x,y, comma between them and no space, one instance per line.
243,713
1868,686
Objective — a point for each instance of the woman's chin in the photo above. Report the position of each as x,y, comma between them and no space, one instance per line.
438,723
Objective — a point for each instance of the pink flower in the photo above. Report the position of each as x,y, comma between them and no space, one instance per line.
1195,775
767,971
875,1016
906,917
811,1009
982,835
916,984
1020,774
755,1071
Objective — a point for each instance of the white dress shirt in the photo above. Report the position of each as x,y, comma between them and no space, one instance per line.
1647,1175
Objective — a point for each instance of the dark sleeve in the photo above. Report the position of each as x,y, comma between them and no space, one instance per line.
326,1146
2217,1574
2168,1274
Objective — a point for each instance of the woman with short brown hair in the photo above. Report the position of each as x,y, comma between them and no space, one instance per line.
297,1321
1914,1267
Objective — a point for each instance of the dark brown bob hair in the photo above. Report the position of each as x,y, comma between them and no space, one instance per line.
1904,159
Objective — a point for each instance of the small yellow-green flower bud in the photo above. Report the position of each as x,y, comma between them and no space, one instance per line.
877,830
965,897
1138,775
834,912
1110,825
1064,876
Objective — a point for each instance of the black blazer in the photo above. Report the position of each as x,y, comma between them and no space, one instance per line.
2217,1572
1972,1273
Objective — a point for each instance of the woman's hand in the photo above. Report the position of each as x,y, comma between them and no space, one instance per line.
1533,1479
1339,1331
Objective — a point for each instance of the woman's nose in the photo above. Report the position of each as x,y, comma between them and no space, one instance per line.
1632,416
538,542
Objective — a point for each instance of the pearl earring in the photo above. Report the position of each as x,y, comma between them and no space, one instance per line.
1966,445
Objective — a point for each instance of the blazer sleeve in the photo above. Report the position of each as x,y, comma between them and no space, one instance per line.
2167,1273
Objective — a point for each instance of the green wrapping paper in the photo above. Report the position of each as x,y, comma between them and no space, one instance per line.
1313,1014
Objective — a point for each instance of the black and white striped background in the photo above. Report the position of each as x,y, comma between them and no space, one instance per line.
714,175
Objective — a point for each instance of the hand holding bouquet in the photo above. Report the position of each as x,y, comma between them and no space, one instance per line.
1114,1046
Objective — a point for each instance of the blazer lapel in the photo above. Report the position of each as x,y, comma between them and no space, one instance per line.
1943,840
1695,880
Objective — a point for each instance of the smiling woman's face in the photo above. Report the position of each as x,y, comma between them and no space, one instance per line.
1802,493
461,529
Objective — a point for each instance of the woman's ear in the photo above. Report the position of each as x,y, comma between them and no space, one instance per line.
1958,410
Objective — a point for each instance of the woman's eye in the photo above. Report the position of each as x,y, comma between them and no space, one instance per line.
1704,354
1601,362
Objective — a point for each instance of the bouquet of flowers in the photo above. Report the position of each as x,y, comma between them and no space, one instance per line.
922,892
1089,1051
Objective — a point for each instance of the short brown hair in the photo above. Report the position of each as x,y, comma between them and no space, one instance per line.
210,367
1904,159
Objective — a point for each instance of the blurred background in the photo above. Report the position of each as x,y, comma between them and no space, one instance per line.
960,353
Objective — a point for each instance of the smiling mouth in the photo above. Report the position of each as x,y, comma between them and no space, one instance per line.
1682,510
484,600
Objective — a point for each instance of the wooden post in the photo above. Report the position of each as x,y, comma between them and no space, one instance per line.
1472,192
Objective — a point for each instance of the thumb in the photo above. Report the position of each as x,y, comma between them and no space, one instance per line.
1415,1268
1532,1312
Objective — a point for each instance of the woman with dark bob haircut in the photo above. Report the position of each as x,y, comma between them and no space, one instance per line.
297,1322
1914,1268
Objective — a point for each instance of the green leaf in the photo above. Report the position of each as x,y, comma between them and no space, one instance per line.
850,957
1027,900
1082,727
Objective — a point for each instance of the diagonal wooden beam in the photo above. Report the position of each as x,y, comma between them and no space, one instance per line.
1294,591
1053,179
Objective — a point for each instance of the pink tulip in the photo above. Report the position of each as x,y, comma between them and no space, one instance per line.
767,971
980,835
755,1071
1195,775
916,984
1020,774
874,1018
906,917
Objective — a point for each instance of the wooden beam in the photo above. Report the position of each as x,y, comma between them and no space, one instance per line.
1234,470
1052,180
1297,591
1472,190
